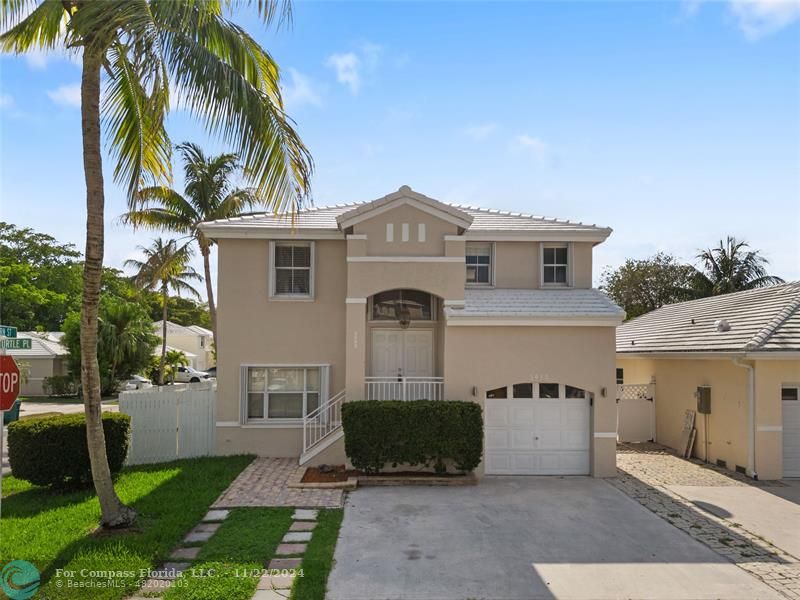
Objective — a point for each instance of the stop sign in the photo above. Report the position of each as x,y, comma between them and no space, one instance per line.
9,382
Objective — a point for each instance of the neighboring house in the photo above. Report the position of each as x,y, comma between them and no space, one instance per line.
194,341
47,357
407,297
745,346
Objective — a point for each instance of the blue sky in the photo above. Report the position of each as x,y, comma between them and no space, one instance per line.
675,123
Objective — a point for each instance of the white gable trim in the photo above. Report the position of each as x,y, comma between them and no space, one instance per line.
404,197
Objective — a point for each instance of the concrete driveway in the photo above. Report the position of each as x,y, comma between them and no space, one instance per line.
515,538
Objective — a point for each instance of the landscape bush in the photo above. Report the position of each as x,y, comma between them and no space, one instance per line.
52,451
60,385
421,432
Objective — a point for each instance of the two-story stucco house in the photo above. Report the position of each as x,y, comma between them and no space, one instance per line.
406,297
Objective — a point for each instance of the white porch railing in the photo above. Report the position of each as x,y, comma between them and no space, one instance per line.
404,388
323,422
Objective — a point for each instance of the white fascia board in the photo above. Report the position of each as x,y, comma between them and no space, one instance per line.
501,320
714,355
539,236
406,259
270,233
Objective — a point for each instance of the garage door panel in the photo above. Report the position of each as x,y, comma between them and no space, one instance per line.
791,438
537,436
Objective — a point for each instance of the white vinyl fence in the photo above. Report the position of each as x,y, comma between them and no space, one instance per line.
171,422
636,414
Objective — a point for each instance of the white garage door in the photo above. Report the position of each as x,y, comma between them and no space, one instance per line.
542,436
791,432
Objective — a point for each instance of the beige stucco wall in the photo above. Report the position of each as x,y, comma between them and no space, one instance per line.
491,357
727,435
37,369
254,329
375,230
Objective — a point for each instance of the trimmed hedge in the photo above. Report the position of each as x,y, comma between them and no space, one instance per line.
419,432
52,451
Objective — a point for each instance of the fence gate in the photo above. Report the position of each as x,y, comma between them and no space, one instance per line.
171,422
636,415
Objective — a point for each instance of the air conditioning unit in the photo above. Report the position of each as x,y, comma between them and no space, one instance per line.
703,395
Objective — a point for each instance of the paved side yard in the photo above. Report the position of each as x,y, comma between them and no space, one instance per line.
515,538
264,483
755,525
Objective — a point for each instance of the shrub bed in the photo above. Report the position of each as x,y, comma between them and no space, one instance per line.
421,432
52,451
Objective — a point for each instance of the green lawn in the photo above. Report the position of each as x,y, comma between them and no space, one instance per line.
231,562
55,531
318,560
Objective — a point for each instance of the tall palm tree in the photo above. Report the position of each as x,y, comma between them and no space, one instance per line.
146,48
165,267
209,194
731,267
125,333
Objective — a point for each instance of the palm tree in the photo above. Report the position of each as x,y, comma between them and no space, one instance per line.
220,74
175,359
125,334
165,267
731,267
208,195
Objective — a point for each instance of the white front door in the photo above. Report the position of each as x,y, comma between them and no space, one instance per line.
542,436
402,353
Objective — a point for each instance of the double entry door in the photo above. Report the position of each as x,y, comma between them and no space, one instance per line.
401,353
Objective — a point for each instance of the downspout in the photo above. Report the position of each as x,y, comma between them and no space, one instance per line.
751,415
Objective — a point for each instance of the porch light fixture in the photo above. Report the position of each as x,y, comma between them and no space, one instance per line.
403,314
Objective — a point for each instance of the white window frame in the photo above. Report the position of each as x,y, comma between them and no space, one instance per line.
491,246
273,276
795,386
244,419
569,265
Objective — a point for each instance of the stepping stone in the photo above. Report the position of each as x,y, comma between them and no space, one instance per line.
289,549
297,536
185,553
304,514
201,532
277,582
216,515
212,527
303,526
284,563
170,570
271,595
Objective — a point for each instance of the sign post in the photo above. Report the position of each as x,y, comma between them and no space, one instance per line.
9,390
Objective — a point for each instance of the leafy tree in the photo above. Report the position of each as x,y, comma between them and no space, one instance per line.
731,267
640,286
165,267
144,48
209,194
125,341
183,311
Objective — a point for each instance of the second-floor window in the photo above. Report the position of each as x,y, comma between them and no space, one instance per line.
292,269
479,264
555,265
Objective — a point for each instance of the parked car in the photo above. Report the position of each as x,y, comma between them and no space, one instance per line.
212,372
137,382
189,375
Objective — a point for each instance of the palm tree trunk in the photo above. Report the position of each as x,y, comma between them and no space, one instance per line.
212,307
113,512
164,300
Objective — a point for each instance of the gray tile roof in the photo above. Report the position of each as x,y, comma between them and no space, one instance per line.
483,220
43,345
761,320
537,303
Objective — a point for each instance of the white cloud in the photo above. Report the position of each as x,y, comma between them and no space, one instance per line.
759,18
66,95
38,59
347,67
300,90
539,149
350,67
6,101
480,132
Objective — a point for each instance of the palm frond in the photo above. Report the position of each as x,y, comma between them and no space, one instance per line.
42,28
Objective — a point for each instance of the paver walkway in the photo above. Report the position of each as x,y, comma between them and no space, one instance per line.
264,483
646,472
